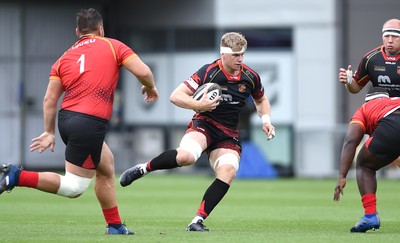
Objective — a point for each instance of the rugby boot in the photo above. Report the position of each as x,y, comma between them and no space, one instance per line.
132,174
9,177
367,222
122,230
197,226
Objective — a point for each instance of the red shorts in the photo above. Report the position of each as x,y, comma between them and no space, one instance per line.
215,137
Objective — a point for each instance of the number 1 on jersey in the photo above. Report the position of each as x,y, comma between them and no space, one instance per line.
81,60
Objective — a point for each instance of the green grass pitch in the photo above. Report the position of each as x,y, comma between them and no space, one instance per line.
159,207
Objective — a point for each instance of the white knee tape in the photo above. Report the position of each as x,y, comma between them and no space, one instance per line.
191,146
227,159
72,185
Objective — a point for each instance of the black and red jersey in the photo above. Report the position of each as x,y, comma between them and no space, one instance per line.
382,70
235,91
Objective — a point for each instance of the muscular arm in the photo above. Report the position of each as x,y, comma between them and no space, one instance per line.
144,74
53,94
354,135
47,138
263,108
182,97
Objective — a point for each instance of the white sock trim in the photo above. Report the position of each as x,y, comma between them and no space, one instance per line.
195,219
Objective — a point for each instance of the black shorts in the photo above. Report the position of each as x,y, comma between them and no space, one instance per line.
83,136
385,140
215,137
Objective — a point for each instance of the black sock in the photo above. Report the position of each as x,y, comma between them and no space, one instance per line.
214,194
166,160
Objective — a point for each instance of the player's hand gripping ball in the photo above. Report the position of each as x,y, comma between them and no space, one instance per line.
213,91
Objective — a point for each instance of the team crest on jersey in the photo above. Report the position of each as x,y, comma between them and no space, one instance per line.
398,70
242,87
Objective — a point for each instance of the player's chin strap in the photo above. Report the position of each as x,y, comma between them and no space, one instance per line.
390,31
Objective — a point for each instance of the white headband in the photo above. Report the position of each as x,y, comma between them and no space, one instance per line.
229,50
390,31
376,95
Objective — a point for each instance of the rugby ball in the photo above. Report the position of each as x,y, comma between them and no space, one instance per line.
213,91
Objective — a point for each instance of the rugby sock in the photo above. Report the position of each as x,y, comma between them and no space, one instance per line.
28,179
111,215
369,203
166,160
196,218
214,194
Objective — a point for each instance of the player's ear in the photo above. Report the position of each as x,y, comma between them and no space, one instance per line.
101,31
77,32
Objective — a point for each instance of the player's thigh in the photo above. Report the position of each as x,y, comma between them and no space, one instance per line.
106,165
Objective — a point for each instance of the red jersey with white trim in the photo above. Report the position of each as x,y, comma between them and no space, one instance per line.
369,114
89,73
235,90
382,70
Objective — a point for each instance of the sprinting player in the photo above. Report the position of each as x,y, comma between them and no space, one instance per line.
87,75
379,118
214,131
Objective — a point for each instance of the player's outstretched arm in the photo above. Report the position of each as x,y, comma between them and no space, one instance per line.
145,76
354,135
263,108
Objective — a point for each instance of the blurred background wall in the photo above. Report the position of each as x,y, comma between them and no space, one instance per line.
297,48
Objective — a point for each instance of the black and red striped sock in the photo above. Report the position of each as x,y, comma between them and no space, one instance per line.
166,160
214,194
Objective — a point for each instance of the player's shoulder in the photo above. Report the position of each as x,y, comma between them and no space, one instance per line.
371,53
251,73
208,68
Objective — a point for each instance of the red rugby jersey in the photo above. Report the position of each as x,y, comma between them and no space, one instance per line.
89,72
369,114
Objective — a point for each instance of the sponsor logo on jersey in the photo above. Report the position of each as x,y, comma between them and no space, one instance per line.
379,68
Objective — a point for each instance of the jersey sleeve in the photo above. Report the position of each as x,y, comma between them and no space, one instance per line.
123,53
359,118
258,89
361,75
54,71
196,79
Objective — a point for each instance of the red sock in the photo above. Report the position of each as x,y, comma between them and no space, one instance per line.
369,203
28,179
111,215
201,211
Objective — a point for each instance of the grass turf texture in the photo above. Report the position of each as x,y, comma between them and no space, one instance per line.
159,207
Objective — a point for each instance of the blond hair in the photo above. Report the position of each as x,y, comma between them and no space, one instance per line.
234,40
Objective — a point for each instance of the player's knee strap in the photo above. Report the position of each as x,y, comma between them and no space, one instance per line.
227,159
72,185
192,147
